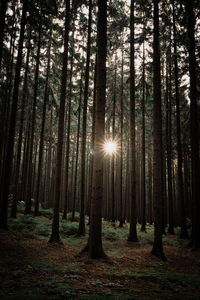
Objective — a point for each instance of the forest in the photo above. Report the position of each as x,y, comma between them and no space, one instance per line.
99,149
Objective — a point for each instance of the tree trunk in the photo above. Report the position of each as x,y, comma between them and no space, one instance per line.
133,218
81,230
40,161
113,155
66,192
55,237
121,146
169,142
183,234
157,249
12,125
3,8
143,227
77,155
21,129
194,133
94,247
35,95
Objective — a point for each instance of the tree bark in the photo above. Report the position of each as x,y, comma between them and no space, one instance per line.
12,126
94,247
183,233
133,218
40,160
81,230
55,237
157,249
194,133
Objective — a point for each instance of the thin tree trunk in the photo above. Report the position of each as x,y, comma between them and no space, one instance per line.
143,227
35,95
183,234
21,129
157,249
40,161
77,155
194,133
66,192
94,246
12,125
3,8
55,236
81,230
169,142
133,218
113,154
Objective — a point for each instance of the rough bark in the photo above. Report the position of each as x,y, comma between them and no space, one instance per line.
133,217
55,237
12,126
157,249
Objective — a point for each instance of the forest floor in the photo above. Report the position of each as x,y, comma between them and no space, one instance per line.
32,268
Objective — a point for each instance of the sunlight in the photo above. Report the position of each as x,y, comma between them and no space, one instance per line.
110,147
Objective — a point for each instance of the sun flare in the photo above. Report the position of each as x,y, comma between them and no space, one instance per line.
110,147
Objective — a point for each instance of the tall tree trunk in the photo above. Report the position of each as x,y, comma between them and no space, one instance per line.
77,155
12,125
113,154
194,133
66,192
157,249
94,247
183,234
40,160
81,230
133,218
121,145
3,8
35,95
143,227
21,129
55,237
169,142
92,138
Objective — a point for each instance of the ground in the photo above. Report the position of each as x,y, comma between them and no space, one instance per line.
32,268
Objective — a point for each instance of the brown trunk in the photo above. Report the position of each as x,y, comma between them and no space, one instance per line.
40,160
183,234
77,155
169,141
81,229
194,126
143,227
133,217
157,249
12,125
35,95
66,184
121,146
21,129
94,247
55,237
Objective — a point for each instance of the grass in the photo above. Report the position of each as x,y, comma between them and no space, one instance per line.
31,268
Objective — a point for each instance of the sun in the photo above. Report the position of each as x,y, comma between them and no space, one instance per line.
110,147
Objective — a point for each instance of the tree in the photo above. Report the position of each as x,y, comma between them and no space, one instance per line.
40,160
157,249
194,129
94,246
81,230
133,218
12,127
3,8
183,234
55,237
